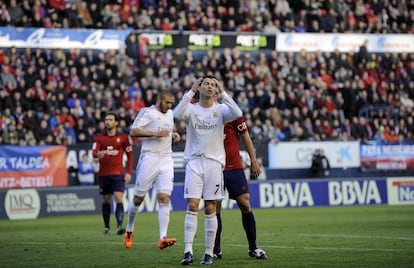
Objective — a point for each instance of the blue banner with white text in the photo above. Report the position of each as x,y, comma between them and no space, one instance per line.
33,166
85,200
62,38
387,157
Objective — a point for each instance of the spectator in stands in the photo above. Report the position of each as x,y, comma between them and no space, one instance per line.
96,16
363,55
43,130
85,18
16,13
379,136
406,101
69,132
86,170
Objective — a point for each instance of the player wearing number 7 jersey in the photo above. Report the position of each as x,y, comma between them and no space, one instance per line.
205,158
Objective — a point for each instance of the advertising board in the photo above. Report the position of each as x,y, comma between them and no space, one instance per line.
85,200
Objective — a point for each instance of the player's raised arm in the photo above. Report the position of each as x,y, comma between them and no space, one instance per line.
181,110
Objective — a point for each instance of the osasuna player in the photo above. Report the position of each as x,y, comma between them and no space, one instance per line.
108,149
205,158
236,184
155,166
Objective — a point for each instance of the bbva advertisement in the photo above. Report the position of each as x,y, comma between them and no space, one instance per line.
85,200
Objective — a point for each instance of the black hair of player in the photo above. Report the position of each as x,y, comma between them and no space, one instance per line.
114,114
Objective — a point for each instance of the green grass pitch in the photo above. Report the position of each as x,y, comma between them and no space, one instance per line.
362,236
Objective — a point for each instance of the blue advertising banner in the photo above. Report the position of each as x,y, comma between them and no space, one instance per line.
62,38
387,157
308,193
85,200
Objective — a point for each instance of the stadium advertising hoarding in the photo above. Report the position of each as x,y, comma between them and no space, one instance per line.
321,193
33,166
288,155
387,157
62,38
35,203
378,43
207,41
400,191
115,39
45,202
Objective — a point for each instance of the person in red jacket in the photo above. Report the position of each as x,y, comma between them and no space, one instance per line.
108,149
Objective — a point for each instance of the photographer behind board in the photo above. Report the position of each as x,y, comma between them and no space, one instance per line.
320,164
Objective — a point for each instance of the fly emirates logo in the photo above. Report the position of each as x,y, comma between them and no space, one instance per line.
334,193
204,125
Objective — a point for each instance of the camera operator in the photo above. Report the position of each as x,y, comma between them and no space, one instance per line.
320,164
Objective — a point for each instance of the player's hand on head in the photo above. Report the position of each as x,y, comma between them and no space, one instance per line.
219,86
196,85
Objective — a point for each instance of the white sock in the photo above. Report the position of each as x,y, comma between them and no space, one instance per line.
132,213
210,225
163,218
190,229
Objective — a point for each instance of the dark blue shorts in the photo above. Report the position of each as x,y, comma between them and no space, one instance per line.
235,182
111,184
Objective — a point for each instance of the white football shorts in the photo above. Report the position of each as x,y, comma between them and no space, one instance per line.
154,169
204,179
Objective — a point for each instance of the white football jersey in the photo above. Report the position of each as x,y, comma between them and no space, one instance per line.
205,126
150,119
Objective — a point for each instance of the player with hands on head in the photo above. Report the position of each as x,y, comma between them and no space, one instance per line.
108,150
235,182
205,158
154,125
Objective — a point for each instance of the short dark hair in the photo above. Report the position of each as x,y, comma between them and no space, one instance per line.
208,76
162,93
114,114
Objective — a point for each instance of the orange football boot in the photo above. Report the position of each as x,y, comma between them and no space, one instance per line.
128,240
166,242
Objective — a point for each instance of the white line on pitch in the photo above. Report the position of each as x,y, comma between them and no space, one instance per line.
233,245
330,248
360,236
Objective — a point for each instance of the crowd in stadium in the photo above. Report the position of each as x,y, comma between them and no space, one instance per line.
54,96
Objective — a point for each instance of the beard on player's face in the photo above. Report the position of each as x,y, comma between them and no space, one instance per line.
110,126
163,107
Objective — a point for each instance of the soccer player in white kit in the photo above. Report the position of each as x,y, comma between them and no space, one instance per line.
155,166
205,158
